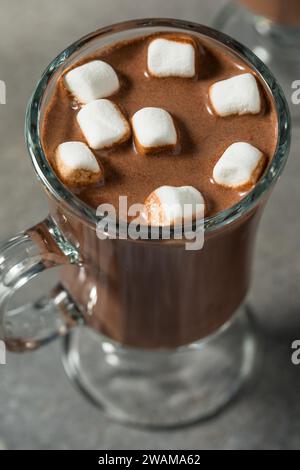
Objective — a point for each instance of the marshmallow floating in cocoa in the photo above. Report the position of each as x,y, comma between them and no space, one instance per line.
168,57
240,166
91,81
153,130
76,164
171,206
103,124
236,95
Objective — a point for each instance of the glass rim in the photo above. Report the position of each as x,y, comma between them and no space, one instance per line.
61,193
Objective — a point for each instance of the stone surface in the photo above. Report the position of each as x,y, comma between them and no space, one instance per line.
39,409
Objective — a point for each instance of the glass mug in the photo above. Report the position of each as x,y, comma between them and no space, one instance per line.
271,29
140,340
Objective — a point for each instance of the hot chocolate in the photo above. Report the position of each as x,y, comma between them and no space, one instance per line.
160,295
286,12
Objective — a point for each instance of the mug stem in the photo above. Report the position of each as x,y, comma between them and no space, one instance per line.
22,258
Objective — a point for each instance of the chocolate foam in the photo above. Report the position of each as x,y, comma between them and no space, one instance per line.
203,135
285,12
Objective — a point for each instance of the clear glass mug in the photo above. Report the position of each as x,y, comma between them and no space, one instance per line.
271,29
139,338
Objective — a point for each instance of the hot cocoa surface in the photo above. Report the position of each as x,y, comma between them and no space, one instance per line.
203,135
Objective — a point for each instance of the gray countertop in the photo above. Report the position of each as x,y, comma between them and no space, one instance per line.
39,409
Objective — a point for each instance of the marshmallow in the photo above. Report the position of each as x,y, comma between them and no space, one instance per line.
171,205
76,164
103,125
171,58
93,80
154,130
240,166
236,95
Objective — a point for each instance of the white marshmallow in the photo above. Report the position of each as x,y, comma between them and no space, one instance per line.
103,124
153,129
76,164
236,95
240,165
91,81
171,205
171,58
77,155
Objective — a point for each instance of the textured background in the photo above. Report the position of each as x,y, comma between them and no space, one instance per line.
38,407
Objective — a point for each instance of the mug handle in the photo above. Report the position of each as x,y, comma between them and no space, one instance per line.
21,259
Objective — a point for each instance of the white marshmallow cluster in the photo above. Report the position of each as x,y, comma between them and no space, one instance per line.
171,205
236,95
171,58
103,125
76,163
91,81
153,128
240,165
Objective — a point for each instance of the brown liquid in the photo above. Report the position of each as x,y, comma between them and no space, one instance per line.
203,136
286,12
150,294
158,295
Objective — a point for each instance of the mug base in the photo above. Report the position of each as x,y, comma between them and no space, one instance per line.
162,388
